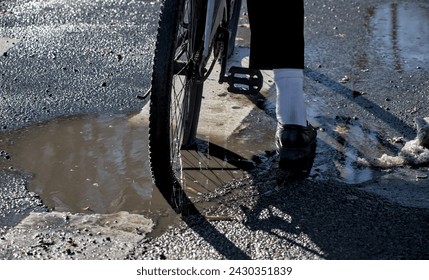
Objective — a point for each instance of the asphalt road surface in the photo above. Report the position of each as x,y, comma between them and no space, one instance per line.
365,81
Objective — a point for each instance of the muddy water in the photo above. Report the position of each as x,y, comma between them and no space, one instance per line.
100,164
85,163
88,164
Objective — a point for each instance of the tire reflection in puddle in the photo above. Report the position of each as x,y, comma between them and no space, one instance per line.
96,164
100,164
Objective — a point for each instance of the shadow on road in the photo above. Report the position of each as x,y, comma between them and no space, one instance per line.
344,222
220,167
324,219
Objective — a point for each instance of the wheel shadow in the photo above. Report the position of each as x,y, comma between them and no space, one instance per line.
336,221
206,169
317,219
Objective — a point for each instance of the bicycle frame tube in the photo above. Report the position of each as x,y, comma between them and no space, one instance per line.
216,9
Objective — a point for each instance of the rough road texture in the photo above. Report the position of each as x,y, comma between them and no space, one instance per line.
65,58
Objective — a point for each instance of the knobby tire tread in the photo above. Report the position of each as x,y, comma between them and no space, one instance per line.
160,98
162,168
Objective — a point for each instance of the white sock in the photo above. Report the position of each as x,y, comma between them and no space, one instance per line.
290,107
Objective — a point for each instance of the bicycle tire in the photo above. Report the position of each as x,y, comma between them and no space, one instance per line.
176,94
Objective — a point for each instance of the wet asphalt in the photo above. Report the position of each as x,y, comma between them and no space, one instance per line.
366,68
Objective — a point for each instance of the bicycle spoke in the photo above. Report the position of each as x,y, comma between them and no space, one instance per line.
176,96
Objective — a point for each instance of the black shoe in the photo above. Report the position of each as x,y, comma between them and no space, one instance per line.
296,147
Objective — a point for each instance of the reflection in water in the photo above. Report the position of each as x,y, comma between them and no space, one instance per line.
402,30
353,141
356,145
100,164
95,164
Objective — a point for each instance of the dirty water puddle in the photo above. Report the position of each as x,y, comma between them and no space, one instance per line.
85,164
100,164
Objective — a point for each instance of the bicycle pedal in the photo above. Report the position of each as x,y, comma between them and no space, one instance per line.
244,80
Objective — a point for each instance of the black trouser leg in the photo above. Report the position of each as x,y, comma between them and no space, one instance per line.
277,34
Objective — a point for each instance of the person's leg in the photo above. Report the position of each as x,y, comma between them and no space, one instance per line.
290,105
284,53
286,20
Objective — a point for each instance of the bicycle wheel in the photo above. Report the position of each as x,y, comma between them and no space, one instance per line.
176,94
